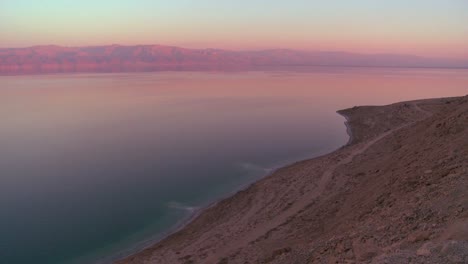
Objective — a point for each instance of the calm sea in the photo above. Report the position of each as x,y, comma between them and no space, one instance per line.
93,166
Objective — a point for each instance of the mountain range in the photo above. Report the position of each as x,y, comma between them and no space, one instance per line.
117,58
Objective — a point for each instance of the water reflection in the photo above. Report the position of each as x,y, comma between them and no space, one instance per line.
94,163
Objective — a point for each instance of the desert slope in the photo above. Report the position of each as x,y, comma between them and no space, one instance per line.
396,193
140,58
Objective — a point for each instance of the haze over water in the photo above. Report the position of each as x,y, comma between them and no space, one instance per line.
96,164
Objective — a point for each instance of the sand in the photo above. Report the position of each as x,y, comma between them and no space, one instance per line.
396,193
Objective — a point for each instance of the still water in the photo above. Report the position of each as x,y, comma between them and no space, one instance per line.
93,166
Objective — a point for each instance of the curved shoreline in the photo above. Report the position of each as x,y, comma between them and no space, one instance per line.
200,210
151,241
203,209
319,209
348,127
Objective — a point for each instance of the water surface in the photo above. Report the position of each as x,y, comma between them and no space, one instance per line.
96,164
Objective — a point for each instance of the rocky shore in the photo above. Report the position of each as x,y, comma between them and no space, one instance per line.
396,193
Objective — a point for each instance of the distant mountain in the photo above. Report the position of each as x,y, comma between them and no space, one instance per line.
116,58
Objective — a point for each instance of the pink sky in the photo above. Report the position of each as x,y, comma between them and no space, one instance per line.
429,28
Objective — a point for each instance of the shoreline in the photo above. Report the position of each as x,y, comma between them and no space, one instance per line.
184,223
255,223
203,209
200,210
348,127
150,241
227,70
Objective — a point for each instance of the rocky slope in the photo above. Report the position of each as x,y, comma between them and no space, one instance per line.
398,193
116,58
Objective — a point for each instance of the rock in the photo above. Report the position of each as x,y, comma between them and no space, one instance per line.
349,254
419,236
424,250
364,251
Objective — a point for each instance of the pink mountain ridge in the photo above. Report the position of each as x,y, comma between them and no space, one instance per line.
117,58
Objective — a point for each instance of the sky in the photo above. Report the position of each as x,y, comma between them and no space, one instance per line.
435,28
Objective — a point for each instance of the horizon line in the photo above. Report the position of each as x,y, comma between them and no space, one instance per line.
242,50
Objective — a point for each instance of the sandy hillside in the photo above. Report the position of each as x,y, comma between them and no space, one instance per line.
398,193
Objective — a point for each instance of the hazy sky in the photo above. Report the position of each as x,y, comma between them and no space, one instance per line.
423,27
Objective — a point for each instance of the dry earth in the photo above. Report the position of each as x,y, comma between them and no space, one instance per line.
397,193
